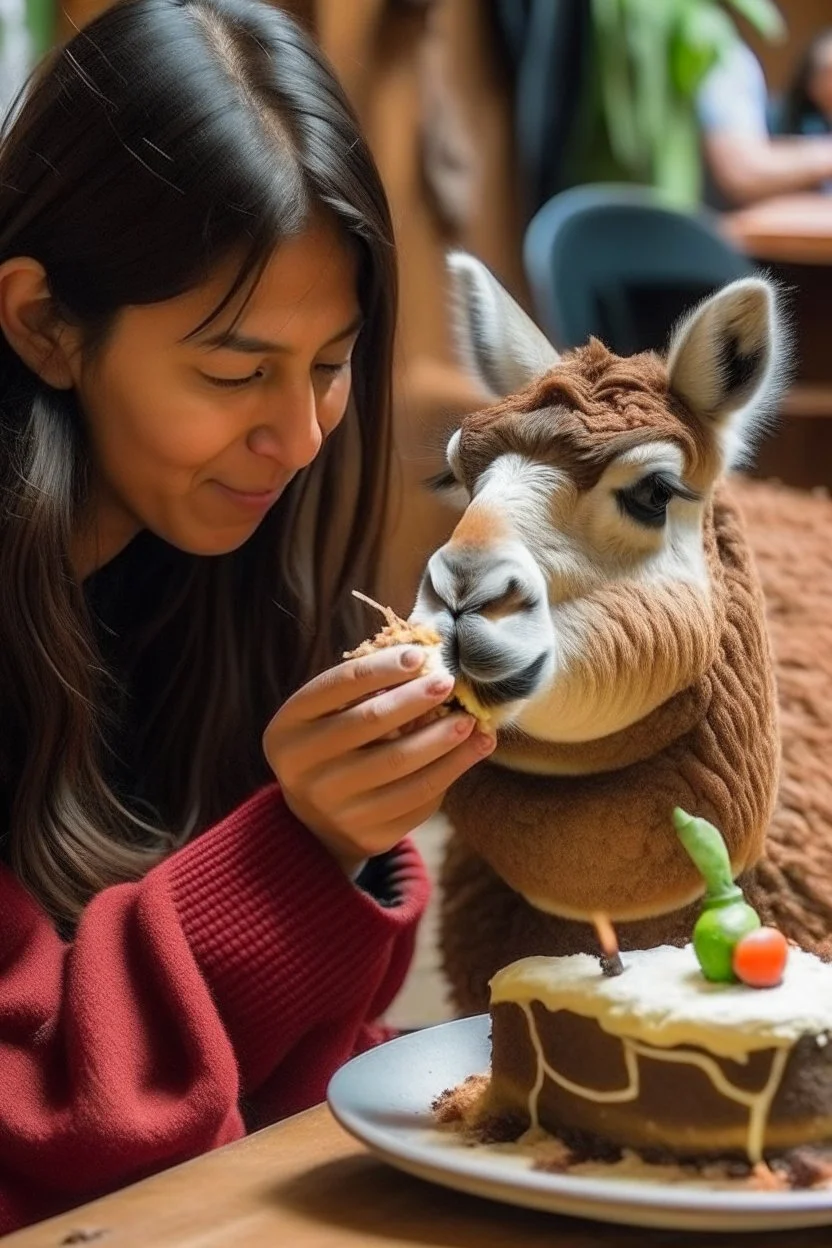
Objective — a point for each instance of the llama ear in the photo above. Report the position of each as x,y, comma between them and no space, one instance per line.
500,345
728,363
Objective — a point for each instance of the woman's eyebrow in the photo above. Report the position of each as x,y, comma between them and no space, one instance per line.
232,340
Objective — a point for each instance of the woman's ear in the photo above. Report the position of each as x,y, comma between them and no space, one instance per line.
29,322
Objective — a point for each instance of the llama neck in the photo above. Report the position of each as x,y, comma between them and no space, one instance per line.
669,722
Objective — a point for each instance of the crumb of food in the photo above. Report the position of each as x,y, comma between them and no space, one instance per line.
806,1167
554,1157
764,1179
728,1169
499,1128
462,1104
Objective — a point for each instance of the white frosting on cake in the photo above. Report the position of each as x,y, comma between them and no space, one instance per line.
663,999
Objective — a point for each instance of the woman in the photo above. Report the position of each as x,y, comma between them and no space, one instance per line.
806,107
204,897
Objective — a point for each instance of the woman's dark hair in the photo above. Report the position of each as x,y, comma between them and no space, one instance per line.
166,137
798,106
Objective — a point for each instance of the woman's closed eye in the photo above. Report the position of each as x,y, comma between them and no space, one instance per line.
334,370
234,382
325,369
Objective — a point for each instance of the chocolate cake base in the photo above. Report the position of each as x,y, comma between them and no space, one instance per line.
659,1061
682,1100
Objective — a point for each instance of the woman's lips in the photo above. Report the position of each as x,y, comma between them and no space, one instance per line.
250,500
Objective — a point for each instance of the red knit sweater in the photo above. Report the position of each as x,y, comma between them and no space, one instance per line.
242,970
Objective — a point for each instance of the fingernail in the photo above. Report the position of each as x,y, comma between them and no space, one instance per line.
411,659
484,743
441,685
462,727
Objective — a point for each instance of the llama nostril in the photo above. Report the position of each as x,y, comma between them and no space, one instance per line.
475,586
514,600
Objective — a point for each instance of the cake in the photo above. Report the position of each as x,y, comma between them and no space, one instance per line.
718,1052
661,1061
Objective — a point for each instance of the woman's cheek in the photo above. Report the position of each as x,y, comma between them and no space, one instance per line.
190,436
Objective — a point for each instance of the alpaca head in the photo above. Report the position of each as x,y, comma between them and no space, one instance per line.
579,588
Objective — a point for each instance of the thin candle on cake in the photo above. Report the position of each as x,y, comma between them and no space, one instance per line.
611,963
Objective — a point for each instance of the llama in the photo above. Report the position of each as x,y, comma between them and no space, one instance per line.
598,595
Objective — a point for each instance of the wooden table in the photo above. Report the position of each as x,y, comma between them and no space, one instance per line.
307,1184
788,229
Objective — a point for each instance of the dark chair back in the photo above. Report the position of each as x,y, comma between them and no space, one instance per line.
617,262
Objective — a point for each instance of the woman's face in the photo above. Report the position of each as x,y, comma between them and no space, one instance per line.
196,439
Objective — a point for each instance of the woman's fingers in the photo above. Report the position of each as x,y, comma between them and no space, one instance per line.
365,771
340,735
353,681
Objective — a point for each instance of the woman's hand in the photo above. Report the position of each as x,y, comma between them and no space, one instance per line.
358,793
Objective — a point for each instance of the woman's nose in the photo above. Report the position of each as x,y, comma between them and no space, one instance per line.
289,433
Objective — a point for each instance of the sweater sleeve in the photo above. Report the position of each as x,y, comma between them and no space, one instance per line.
244,960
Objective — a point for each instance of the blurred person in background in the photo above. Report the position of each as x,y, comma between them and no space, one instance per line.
806,107
748,153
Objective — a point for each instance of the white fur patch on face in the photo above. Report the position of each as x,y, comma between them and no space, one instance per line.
524,491
599,547
649,457
624,546
583,538
585,541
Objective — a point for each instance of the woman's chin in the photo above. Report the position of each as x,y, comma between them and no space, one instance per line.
209,543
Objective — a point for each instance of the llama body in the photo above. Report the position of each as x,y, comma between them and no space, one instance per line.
599,594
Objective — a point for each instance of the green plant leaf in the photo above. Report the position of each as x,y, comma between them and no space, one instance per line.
677,168
704,33
688,65
764,16
615,79
649,29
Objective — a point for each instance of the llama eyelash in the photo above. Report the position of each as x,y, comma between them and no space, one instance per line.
668,482
647,499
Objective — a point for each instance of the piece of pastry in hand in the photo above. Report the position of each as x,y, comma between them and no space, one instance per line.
399,632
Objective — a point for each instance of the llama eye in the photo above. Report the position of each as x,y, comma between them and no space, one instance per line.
647,500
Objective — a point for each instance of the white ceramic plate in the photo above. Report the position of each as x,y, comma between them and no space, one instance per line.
384,1096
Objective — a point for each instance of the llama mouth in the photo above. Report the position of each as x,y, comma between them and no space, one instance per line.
515,688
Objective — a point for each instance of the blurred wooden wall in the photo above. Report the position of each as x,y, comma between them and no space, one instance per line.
425,78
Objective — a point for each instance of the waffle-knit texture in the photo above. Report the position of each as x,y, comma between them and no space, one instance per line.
221,990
